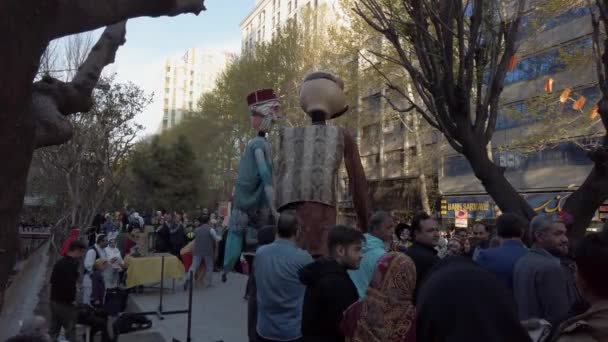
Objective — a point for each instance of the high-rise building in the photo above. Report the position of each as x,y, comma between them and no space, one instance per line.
187,78
268,16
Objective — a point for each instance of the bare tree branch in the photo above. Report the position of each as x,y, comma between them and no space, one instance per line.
73,16
52,99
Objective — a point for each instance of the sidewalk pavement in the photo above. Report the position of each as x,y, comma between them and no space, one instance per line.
218,313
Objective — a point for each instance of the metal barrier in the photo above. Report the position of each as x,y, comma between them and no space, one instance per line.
160,313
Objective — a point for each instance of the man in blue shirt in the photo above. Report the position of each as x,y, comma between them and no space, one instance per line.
501,260
380,233
280,295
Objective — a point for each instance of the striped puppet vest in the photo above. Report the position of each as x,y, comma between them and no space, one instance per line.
307,164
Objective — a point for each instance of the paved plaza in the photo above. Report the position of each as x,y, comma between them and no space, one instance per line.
218,313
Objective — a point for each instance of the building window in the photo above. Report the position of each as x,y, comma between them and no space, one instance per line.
289,7
316,3
374,103
295,4
168,69
166,90
547,63
412,151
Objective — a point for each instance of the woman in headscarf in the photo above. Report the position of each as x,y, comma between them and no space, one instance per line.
66,244
460,301
386,313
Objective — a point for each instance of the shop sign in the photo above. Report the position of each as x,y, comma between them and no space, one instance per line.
476,207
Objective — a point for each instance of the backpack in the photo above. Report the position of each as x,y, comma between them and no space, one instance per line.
130,322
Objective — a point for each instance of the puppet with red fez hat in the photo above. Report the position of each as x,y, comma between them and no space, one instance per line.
308,162
253,194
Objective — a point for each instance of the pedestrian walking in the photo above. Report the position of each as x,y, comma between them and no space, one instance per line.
280,295
205,238
387,312
501,260
380,233
329,289
422,251
64,278
539,281
460,301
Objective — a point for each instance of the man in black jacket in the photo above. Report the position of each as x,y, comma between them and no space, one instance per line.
329,289
422,251
63,292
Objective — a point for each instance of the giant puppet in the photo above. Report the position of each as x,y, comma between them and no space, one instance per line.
309,159
253,195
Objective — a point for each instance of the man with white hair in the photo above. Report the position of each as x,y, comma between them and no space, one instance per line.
539,282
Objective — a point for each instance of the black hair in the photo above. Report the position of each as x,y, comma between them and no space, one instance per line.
77,245
343,236
400,228
100,238
591,256
486,227
417,221
287,226
204,219
510,226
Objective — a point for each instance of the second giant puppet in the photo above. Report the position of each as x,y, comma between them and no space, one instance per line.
308,162
253,195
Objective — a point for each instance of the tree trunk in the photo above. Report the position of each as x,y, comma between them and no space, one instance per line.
493,179
423,190
17,128
583,203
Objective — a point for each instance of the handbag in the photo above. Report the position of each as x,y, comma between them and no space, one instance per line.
115,301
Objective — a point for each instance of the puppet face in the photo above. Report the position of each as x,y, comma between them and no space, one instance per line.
256,121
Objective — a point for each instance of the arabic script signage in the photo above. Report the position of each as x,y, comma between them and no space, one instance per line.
484,207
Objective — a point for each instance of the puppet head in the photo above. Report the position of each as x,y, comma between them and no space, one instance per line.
323,94
265,109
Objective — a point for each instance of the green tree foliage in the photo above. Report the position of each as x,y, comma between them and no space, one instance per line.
219,129
164,176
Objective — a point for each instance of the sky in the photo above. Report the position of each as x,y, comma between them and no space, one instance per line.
151,40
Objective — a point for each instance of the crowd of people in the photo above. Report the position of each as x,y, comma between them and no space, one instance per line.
402,283
516,281
87,284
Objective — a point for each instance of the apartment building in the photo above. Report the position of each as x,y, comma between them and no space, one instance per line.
187,78
264,21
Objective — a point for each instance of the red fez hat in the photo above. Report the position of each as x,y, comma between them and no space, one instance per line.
261,96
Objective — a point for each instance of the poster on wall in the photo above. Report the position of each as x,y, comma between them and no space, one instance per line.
462,219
